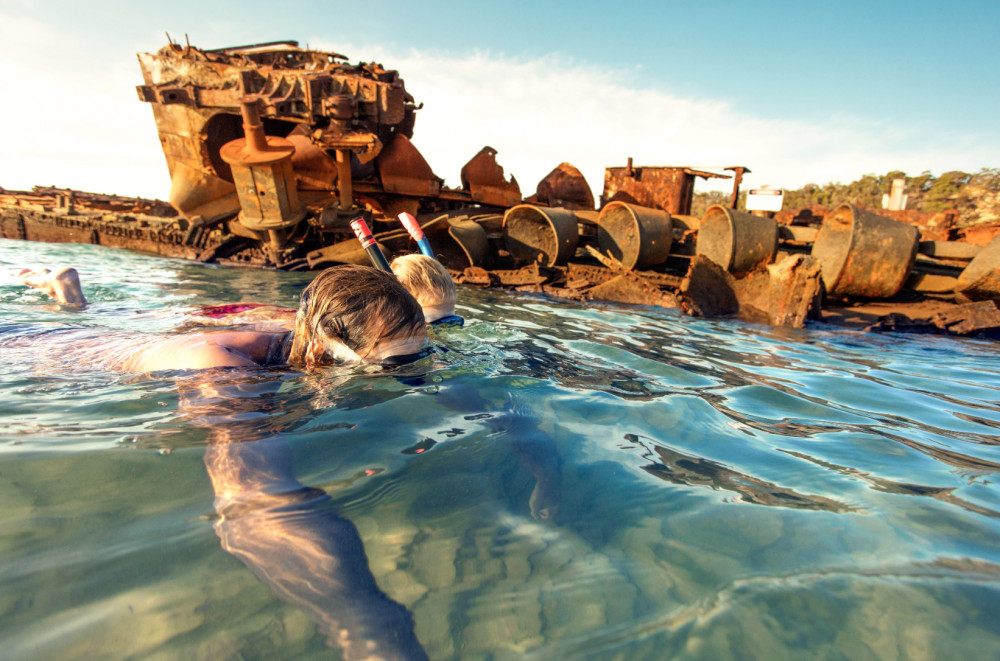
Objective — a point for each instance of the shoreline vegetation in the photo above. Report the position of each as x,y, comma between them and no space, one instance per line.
975,197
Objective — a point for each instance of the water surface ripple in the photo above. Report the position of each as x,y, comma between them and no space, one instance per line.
728,491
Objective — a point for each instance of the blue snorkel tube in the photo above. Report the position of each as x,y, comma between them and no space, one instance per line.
417,232
413,227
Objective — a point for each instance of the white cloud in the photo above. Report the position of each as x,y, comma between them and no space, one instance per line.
77,122
72,122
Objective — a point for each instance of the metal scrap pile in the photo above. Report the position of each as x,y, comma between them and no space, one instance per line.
272,150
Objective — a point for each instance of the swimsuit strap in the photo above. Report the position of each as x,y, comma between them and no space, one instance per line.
218,311
278,349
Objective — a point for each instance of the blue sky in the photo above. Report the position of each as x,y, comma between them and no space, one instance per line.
798,91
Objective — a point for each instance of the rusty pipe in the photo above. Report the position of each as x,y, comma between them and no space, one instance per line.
252,127
737,180
344,184
277,238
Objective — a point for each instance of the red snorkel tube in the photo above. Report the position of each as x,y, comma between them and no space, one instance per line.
413,227
368,242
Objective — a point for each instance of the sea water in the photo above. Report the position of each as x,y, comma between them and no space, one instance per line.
729,491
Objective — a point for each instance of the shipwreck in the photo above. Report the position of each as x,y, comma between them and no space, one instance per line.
273,150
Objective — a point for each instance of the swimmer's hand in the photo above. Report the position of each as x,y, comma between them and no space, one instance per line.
546,497
537,453
62,284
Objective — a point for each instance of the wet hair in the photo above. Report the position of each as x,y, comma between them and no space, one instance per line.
356,305
426,279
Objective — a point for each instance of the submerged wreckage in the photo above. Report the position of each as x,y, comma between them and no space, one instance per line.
273,149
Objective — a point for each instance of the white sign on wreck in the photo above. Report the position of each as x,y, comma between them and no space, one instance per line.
765,199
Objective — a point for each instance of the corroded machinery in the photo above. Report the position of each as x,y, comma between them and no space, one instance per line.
283,146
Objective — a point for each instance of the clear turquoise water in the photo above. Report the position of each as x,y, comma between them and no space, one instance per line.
729,491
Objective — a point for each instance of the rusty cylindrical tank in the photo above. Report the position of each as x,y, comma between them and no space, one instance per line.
864,254
638,237
736,240
543,234
465,244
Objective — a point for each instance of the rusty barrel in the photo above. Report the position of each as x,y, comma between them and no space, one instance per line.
638,237
544,234
467,245
736,240
864,254
981,278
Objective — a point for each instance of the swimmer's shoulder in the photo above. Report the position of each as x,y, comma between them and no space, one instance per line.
195,351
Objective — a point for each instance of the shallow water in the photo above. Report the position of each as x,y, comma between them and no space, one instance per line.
729,491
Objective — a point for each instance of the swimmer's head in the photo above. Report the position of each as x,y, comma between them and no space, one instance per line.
355,313
429,282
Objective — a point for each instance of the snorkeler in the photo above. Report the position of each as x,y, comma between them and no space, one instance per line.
282,530
348,314
430,283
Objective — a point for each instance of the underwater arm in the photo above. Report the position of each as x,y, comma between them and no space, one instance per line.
62,284
538,453
517,423
287,534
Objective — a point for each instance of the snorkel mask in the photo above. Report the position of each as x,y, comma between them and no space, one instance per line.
386,354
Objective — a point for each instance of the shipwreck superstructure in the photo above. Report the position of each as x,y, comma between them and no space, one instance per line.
333,141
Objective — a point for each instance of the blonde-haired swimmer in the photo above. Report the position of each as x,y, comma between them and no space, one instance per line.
347,314
431,285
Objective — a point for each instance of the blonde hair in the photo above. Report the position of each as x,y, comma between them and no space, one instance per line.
426,279
355,305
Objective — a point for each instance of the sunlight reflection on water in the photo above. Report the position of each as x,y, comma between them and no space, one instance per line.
728,490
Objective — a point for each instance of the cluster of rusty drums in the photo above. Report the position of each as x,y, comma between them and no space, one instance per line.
861,253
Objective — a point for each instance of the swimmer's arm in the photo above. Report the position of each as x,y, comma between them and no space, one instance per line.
188,353
309,556
285,532
535,449
537,452
62,284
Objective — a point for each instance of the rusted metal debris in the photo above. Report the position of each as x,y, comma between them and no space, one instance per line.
787,293
668,188
483,178
564,187
973,318
627,286
981,319
864,254
709,290
272,149
67,201
980,280
940,226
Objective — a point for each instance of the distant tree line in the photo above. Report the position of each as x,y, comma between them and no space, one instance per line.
976,196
